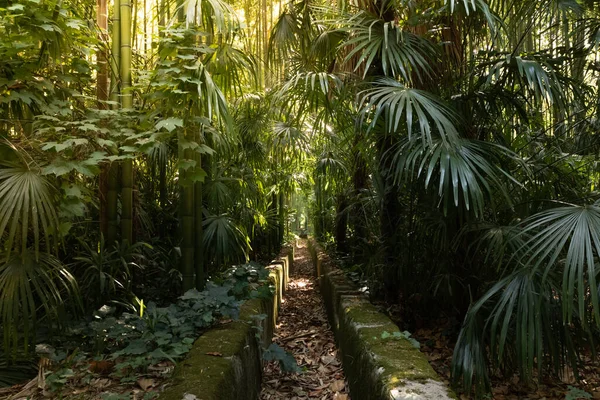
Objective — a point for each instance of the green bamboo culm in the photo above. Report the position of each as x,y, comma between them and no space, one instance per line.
186,218
199,229
115,59
281,218
126,103
112,196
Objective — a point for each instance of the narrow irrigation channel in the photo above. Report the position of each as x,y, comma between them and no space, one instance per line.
303,330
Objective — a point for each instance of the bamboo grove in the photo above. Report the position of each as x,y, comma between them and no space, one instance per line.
446,151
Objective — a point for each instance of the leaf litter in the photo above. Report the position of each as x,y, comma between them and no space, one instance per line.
303,331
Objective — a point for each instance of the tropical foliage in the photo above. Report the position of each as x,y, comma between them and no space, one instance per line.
447,148
468,129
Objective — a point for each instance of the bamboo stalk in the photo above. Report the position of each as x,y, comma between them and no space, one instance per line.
126,103
199,230
186,217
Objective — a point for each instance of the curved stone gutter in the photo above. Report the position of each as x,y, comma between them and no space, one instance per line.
379,362
225,363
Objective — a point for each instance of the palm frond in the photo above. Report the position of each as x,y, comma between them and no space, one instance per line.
465,169
223,239
288,138
29,284
536,73
567,240
399,104
401,52
518,319
219,12
27,203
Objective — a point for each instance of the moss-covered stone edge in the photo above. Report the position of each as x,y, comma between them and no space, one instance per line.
225,363
374,366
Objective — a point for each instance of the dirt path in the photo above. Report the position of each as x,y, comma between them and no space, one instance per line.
303,330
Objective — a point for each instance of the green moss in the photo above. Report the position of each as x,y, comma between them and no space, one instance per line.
276,274
204,375
363,313
398,357
225,362
373,366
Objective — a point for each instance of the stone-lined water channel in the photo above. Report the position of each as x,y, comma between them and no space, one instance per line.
302,329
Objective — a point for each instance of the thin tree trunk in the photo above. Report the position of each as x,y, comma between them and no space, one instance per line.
111,203
116,52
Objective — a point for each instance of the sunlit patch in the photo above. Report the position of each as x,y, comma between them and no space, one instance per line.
300,283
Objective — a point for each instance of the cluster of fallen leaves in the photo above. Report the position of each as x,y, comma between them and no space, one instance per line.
303,331
90,380
438,347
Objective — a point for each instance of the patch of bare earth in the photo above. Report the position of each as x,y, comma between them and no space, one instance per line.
303,330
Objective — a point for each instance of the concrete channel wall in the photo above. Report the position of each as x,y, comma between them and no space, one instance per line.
379,362
225,363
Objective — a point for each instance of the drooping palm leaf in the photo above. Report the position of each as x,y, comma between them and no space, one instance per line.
516,324
27,204
465,169
400,105
401,52
28,285
537,73
566,240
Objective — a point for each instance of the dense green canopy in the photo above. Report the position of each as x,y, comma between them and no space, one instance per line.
446,150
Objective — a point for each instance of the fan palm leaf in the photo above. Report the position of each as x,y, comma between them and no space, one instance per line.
567,240
223,239
400,52
27,203
465,169
399,104
29,284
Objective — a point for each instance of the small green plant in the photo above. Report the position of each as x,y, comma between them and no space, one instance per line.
55,381
137,340
576,393
401,335
286,360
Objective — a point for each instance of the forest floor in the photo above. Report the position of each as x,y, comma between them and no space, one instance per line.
303,330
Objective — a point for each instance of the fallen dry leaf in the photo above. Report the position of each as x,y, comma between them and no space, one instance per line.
338,386
145,383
